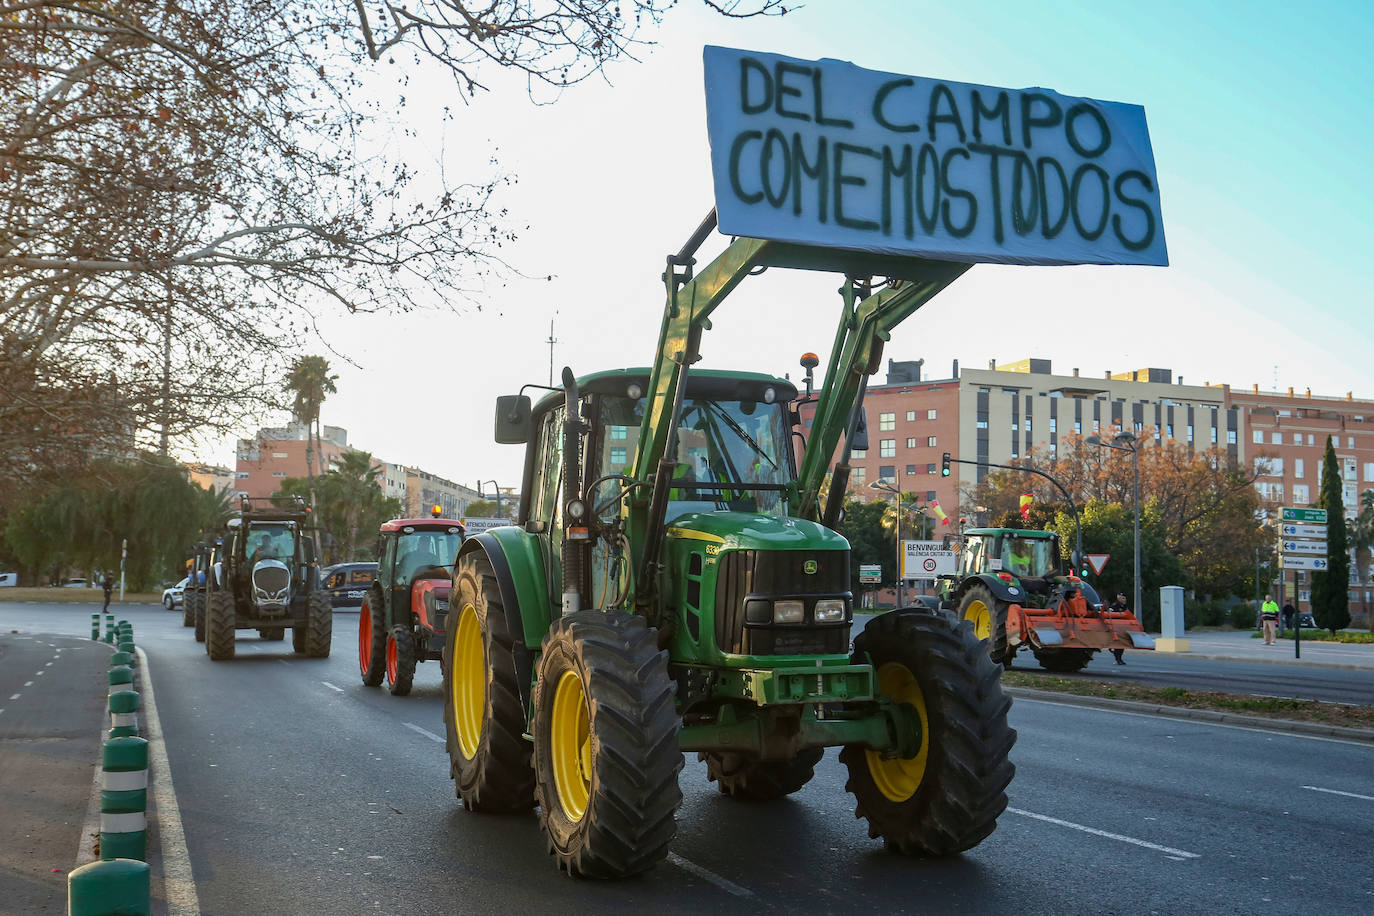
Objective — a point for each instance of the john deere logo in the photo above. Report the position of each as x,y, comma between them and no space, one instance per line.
810,567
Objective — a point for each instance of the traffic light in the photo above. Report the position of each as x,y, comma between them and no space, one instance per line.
944,465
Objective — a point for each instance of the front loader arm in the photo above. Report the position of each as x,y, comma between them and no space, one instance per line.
865,325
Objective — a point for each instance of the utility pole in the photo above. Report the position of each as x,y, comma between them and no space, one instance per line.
552,340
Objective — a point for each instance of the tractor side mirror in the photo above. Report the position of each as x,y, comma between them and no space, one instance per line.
860,441
513,423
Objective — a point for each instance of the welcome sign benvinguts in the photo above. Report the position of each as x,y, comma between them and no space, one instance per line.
827,153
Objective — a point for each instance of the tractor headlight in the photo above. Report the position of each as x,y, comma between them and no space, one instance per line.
788,611
830,610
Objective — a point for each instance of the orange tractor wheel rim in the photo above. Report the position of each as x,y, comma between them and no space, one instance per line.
365,639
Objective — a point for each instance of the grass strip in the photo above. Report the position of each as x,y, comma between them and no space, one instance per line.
1269,707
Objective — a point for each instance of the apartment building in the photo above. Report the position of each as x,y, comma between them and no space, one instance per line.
279,452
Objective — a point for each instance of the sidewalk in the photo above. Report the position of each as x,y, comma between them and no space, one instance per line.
1239,646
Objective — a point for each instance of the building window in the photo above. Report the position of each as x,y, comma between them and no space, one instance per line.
618,432
887,472
930,495
911,442
1169,430
982,424
1214,435
1348,466
910,415
887,448
280,455
1310,440
1368,471
1300,493
1230,437
1269,467
930,441
911,469
1078,427
1257,436
618,456
930,469
1054,425
1028,424
1349,441
1297,438
859,454
1276,438
1299,468
1190,432
930,414
242,475
278,473
887,422
1014,427
857,475
1271,492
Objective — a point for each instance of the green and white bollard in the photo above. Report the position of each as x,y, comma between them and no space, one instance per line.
124,799
121,678
95,627
120,886
127,646
124,714
121,658
109,628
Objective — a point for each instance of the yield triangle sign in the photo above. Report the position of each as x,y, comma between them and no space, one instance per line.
1097,561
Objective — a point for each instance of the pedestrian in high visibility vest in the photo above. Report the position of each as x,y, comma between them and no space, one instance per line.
1269,618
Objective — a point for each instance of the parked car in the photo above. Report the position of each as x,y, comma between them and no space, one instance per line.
9,580
172,594
346,584
76,582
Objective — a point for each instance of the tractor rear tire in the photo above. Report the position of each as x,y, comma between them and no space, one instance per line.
319,627
298,639
989,618
188,609
484,719
219,626
371,641
760,780
946,798
606,756
1064,661
400,660
272,634
200,617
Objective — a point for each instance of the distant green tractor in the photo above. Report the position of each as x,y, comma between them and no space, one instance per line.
1011,587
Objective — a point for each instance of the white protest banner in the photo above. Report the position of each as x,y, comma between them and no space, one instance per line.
828,153
478,525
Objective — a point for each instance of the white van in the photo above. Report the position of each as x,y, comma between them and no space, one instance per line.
9,579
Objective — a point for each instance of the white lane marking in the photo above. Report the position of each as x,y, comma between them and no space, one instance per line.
16,696
424,731
1269,732
179,884
1167,850
724,884
28,683
48,665
39,673
332,687
1339,792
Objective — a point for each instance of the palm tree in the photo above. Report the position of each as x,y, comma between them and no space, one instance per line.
1361,532
310,383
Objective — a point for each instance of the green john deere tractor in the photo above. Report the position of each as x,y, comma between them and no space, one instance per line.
673,583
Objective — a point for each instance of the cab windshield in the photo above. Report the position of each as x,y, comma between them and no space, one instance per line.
731,454
1027,556
422,548
271,541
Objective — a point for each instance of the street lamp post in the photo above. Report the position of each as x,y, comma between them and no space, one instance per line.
1132,445
495,487
897,510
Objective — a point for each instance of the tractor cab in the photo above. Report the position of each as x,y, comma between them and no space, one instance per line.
1015,552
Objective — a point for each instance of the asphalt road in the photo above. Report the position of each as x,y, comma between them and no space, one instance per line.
301,791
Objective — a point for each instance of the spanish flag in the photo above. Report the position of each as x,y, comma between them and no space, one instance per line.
1026,500
940,513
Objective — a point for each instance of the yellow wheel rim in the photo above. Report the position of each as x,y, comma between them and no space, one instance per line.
469,681
570,746
977,612
899,779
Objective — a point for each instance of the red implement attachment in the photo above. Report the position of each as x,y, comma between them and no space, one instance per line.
429,602
1073,624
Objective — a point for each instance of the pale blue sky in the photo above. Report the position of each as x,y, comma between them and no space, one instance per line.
1261,133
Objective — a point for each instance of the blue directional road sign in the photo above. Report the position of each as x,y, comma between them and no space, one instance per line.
1313,563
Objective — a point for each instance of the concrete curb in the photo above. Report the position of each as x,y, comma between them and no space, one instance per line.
1205,715
1294,662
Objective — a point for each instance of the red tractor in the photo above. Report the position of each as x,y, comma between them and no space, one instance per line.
402,617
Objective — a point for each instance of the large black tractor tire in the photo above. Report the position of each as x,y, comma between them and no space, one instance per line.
489,758
371,641
947,797
319,627
1064,661
188,609
989,618
400,660
298,638
272,634
606,756
200,617
219,626
740,777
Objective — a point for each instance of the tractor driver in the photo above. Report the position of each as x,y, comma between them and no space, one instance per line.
263,550
1020,556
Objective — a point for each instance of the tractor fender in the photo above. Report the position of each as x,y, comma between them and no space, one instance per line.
516,563
1010,592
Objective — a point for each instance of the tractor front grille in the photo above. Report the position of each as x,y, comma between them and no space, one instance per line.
768,575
